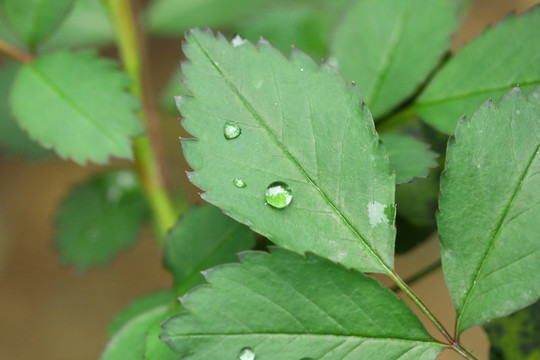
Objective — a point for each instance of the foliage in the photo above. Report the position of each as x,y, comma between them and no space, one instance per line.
289,147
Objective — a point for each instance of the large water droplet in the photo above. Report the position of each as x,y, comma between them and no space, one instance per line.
246,354
239,183
278,194
231,130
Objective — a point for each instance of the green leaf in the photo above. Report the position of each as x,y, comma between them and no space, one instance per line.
87,24
271,305
389,47
78,104
173,17
505,55
409,157
205,237
489,210
130,341
284,24
99,218
516,337
155,348
139,306
13,139
33,20
300,125
174,87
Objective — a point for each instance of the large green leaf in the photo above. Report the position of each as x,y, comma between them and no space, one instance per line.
87,24
301,125
388,47
409,157
139,306
99,218
286,306
33,20
203,238
129,343
12,138
516,337
78,104
505,55
489,210
173,17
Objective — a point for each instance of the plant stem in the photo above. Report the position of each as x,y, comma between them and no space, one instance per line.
147,163
15,53
420,274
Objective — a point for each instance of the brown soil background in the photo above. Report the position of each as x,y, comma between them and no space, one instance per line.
52,312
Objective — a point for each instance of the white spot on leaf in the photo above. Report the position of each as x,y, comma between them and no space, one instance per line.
376,213
237,41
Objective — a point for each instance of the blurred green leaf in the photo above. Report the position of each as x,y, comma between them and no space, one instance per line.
173,17
155,348
100,218
503,56
409,157
87,24
203,238
78,104
271,301
129,342
516,337
417,201
301,124
489,210
389,47
34,20
13,139
139,306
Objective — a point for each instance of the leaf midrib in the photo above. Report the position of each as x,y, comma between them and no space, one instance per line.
295,162
61,94
494,236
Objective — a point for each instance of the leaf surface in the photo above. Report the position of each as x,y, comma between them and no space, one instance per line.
409,157
78,104
13,139
301,125
172,17
503,56
99,218
33,20
139,306
516,336
389,47
203,238
272,305
155,348
489,210
87,24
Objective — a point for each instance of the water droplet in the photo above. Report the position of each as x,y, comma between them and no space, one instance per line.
246,354
301,69
239,183
278,194
231,130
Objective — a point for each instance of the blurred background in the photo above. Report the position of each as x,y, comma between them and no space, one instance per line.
51,311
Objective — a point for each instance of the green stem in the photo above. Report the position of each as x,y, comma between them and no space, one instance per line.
147,163
15,53
420,274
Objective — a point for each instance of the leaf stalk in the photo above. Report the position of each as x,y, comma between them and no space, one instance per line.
15,53
149,166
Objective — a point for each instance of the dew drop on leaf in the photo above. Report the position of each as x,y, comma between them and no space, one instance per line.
231,130
239,183
278,194
246,354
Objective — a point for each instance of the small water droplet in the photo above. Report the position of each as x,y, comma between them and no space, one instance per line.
239,183
301,69
278,194
231,130
246,354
